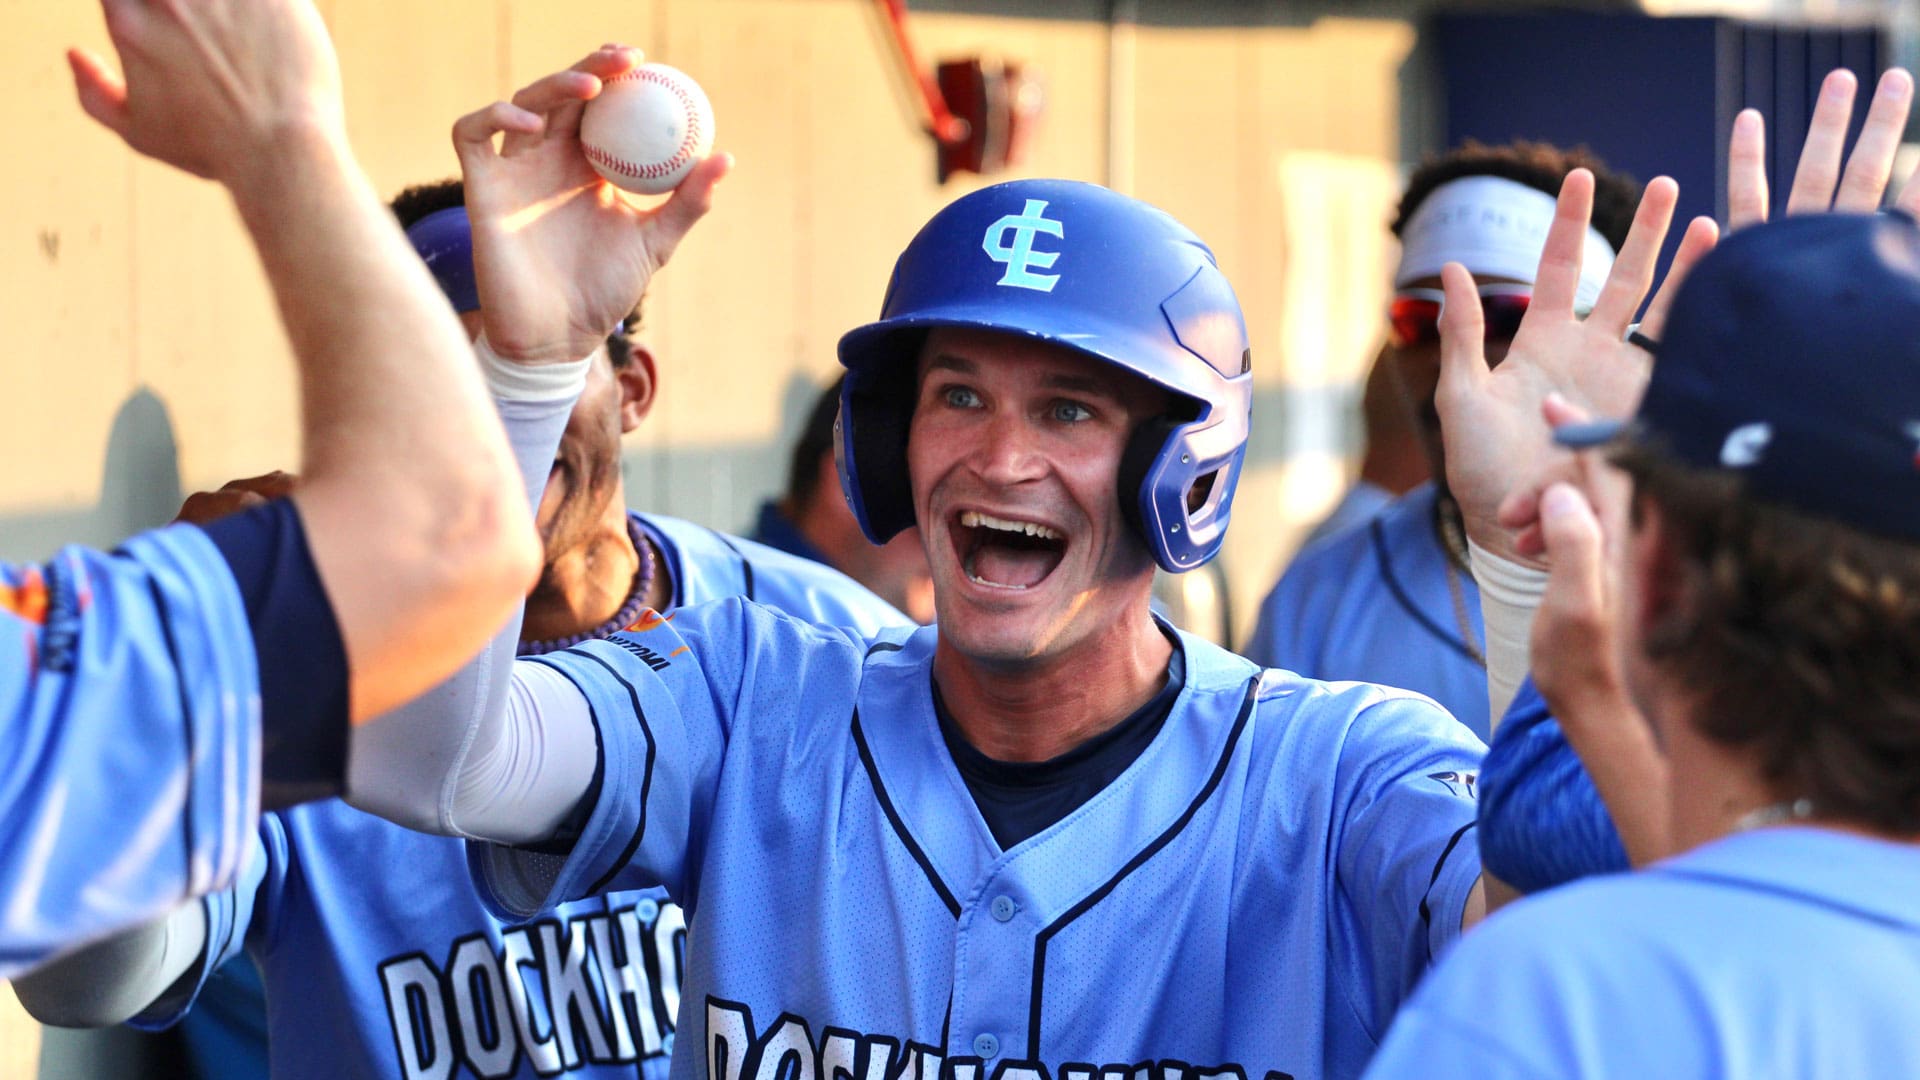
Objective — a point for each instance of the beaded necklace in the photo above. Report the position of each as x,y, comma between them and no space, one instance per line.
628,613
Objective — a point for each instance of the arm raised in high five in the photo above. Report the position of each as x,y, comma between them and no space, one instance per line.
135,685
408,497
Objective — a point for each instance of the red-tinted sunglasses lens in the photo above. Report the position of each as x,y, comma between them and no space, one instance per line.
1415,320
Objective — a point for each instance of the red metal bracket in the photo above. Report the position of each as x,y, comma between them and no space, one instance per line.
946,128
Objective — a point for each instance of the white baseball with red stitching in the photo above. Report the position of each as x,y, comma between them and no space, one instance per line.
647,129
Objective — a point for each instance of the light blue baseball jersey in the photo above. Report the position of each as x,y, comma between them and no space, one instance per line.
378,959
1252,897
1372,603
1788,953
130,699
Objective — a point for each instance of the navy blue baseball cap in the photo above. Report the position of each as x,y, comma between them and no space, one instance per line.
1792,357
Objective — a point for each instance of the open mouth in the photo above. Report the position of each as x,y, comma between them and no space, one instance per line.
1001,553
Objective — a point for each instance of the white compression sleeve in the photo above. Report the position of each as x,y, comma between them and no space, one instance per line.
116,979
524,784
411,765
1509,595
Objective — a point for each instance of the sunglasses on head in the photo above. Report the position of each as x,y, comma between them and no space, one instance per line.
1413,317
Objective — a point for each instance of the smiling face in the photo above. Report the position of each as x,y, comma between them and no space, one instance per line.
1014,454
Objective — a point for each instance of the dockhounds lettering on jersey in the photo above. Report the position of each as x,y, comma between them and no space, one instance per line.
787,1050
544,994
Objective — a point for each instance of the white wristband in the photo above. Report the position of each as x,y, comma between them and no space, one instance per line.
1509,595
508,381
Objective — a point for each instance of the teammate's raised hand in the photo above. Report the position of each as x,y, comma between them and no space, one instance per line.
1819,182
560,256
1495,437
220,88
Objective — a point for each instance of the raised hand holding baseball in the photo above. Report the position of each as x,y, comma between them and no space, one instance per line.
560,256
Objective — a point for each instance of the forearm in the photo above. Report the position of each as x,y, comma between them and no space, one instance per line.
420,535
1510,594
474,756
114,980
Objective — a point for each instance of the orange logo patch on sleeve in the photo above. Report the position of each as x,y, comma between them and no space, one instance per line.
649,620
28,599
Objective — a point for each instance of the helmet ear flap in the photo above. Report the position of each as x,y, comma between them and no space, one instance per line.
1142,449
876,413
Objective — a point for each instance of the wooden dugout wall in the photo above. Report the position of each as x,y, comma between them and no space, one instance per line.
145,358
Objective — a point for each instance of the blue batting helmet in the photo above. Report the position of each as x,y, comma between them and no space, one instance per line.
1091,270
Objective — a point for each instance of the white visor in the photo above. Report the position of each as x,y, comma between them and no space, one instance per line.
1495,227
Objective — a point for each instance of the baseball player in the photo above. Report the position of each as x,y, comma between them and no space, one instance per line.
133,683
376,955
1050,835
1542,821
1396,601
1764,601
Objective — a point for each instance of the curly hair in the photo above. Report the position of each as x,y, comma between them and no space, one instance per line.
419,200
1538,165
1800,638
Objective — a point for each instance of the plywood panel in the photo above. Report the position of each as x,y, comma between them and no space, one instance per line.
63,250
208,339
411,68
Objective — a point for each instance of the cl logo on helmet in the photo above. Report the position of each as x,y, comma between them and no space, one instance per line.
1020,258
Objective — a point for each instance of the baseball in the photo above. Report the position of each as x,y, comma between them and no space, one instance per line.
647,129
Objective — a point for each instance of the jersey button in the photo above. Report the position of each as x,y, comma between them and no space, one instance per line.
1003,908
985,1045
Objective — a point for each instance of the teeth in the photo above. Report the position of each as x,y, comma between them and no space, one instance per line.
973,519
977,580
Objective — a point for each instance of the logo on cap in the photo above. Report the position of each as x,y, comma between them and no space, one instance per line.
1018,254
1746,445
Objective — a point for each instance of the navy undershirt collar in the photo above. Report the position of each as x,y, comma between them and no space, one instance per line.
1020,799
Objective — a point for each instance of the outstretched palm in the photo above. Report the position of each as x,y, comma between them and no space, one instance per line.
1495,435
560,256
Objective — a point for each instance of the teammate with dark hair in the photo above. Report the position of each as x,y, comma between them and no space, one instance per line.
812,521
134,684
1396,601
374,949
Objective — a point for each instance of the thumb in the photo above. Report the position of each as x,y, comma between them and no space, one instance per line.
102,93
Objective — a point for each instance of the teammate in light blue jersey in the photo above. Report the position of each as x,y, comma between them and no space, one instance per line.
1729,633
1050,836
1383,601
132,684
1395,600
377,957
